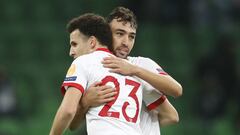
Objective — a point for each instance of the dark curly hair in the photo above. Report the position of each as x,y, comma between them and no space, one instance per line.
123,14
90,24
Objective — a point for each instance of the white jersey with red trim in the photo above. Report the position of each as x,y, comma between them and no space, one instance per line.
149,122
119,117
151,97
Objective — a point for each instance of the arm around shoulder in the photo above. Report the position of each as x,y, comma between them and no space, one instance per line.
163,83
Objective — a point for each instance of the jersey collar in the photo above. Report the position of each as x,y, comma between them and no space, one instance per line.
104,49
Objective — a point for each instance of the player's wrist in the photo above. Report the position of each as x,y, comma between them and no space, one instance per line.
85,103
136,71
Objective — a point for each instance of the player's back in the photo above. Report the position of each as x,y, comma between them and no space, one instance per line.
121,116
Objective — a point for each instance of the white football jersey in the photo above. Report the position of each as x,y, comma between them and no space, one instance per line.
119,117
152,98
149,122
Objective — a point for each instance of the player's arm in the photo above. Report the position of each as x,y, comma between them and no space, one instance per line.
79,117
96,95
163,83
66,111
167,114
159,103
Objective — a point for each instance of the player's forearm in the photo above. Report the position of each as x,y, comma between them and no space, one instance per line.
61,122
163,83
79,117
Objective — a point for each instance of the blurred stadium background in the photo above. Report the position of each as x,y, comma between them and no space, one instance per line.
195,41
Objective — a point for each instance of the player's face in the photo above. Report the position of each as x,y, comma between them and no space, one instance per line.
123,38
78,44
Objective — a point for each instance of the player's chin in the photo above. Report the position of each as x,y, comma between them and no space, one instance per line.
120,55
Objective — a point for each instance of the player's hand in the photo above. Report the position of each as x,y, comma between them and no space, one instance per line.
97,95
119,65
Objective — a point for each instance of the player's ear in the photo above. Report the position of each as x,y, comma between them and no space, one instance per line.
92,41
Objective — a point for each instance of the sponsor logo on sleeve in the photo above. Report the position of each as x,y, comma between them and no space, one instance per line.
71,78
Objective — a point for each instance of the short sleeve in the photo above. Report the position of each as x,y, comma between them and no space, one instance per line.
153,99
76,76
152,66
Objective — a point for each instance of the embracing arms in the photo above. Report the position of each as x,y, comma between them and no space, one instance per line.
164,83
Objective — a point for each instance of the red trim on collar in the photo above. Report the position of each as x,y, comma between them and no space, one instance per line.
104,49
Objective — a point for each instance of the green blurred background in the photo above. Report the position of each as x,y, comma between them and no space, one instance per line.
195,41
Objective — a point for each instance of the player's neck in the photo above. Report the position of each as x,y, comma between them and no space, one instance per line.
100,46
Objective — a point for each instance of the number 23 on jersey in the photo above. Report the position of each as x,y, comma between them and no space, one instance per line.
105,111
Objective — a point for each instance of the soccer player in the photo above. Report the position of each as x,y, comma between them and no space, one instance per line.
123,25
119,117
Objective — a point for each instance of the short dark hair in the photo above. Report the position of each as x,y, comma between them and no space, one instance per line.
123,14
91,24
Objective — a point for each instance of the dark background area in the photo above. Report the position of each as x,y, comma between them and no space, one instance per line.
195,41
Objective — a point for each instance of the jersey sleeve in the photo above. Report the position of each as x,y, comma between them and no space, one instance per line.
151,97
76,77
152,66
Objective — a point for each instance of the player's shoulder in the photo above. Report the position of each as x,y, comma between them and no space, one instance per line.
139,59
83,58
144,62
